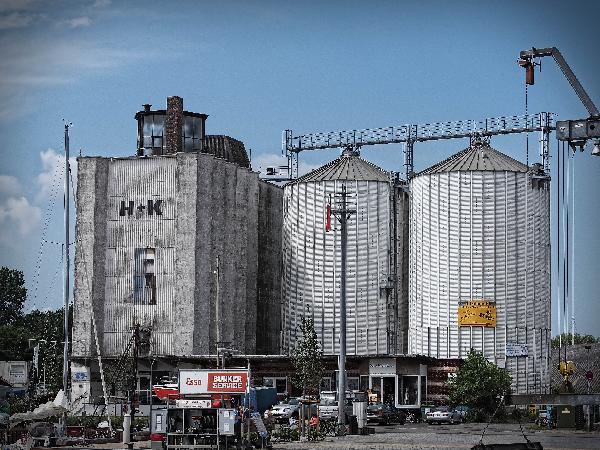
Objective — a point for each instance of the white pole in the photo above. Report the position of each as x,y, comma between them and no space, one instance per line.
573,249
66,268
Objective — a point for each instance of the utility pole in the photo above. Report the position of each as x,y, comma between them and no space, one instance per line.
217,334
66,268
342,214
133,402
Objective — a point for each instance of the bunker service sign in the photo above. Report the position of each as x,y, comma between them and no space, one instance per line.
213,381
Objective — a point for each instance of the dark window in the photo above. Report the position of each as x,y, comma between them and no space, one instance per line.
191,134
152,134
144,283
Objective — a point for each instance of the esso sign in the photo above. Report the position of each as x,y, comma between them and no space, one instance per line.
213,381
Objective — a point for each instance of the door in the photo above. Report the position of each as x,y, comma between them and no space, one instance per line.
388,390
385,388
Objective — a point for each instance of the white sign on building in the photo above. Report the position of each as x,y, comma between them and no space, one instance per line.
382,366
514,349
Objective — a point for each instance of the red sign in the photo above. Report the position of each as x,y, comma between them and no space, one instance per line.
206,381
227,382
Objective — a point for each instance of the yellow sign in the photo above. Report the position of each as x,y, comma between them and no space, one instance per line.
477,313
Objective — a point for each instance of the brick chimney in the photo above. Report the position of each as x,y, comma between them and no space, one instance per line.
173,124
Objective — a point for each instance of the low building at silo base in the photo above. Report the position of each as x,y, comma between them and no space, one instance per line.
480,263
154,233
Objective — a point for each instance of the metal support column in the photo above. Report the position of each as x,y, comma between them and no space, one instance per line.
342,213
408,158
545,141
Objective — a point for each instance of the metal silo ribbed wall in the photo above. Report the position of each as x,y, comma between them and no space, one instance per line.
312,265
481,235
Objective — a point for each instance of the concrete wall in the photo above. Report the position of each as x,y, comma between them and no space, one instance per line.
401,222
90,234
270,223
208,208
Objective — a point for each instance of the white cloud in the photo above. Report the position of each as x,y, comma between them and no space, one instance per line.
36,64
9,186
18,211
78,22
51,177
18,217
21,217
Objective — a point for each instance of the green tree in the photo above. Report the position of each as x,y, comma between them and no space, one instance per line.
307,359
45,328
578,338
479,383
12,295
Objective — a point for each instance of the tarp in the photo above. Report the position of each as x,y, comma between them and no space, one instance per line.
52,408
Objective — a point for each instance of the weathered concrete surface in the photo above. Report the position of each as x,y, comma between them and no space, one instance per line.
185,260
268,303
400,260
90,238
210,207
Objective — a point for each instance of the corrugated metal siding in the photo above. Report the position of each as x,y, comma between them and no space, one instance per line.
474,235
312,265
139,181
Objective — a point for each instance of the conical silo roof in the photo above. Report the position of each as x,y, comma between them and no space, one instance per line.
478,157
349,166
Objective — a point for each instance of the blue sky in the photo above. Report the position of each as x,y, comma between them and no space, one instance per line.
258,68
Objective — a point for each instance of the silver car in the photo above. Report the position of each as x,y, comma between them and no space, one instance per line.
443,414
283,411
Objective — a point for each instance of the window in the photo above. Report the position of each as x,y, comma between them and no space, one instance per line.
152,134
144,283
352,384
279,383
191,133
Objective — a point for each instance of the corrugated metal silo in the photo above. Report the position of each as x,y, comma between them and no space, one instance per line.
480,249
312,257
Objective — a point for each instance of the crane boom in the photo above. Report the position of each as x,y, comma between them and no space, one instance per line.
575,132
526,60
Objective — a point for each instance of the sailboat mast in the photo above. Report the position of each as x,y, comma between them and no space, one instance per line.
66,268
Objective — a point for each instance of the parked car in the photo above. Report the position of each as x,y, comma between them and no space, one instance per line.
385,414
443,414
284,410
328,408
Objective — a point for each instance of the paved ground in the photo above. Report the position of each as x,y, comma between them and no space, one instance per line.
427,437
